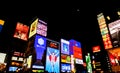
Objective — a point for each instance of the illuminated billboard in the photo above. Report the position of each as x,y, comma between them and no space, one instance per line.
114,56
77,52
65,47
2,57
96,48
42,28
65,58
73,43
29,61
13,68
1,24
104,31
33,28
114,28
21,31
52,60
66,68
40,48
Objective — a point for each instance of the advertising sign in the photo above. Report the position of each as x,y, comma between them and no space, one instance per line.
21,31
104,31
52,60
96,48
114,28
64,46
40,48
33,28
65,58
42,28
77,52
65,68
2,57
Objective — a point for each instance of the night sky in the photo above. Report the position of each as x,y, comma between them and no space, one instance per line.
67,20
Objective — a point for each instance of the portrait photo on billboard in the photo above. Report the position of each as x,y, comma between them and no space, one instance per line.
52,60
21,31
114,28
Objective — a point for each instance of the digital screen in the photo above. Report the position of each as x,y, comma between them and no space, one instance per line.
21,31
77,52
64,46
2,57
65,58
52,60
33,28
114,28
65,68
42,28
13,68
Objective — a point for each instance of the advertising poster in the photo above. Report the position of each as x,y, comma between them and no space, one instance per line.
52,60
21,31
64,46
42,28
66,68
73,43
65,58
77,52
40,48
33,28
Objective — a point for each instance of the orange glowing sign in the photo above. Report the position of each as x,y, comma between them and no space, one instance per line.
96,48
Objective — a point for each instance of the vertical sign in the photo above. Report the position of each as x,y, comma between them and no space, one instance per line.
104,31
52,57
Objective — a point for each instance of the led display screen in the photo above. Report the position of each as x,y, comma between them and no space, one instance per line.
65,68
52,60
42,28
2,57
64,46
21,31
65,58
114,28
1,28
33,28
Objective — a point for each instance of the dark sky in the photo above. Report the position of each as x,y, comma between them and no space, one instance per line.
69,20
